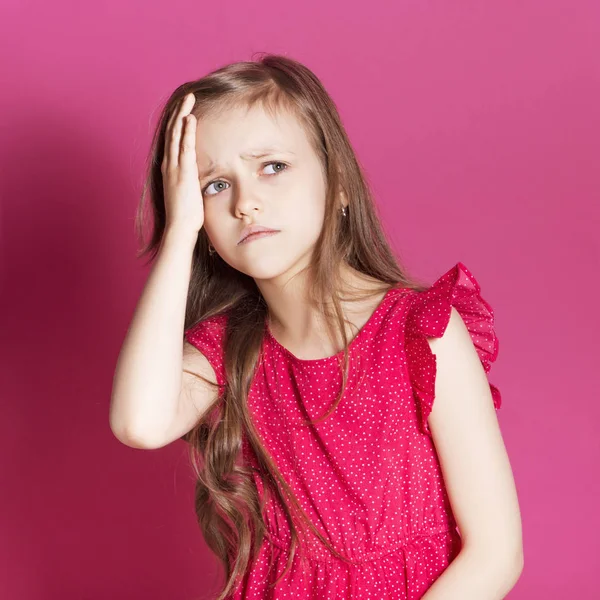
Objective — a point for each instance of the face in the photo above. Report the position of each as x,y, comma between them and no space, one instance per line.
283,190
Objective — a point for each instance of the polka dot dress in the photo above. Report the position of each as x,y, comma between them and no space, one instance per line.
367,476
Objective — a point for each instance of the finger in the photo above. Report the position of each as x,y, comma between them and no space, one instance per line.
188,143
169,131
186,106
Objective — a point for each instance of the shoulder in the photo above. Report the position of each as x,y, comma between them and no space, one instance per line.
449,328
455,334
211,327
453,304
207,337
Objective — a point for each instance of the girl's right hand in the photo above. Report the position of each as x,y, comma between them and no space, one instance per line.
184,205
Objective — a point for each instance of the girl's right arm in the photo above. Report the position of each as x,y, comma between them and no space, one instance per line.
153,402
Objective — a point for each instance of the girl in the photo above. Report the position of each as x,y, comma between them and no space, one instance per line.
306,380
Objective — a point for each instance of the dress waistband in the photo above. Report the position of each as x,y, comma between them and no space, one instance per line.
364,556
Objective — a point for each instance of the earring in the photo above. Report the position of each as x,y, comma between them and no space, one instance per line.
343,210
211,249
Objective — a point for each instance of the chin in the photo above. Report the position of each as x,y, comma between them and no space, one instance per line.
269,266
264,270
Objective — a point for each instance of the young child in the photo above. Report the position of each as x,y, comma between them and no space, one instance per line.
339,416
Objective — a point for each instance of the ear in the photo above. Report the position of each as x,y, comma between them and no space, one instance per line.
342,194
343,198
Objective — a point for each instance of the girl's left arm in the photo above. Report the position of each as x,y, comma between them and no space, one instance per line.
476,472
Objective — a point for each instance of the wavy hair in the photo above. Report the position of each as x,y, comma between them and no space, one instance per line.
229,512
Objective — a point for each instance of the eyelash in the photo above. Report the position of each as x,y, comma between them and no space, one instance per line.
274,162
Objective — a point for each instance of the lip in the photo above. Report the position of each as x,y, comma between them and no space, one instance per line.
249,231
257,235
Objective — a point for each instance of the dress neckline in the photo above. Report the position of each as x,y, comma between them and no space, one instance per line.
354,341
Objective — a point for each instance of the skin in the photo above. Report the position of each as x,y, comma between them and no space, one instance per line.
290,198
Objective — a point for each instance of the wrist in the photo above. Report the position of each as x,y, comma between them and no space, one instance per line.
180,235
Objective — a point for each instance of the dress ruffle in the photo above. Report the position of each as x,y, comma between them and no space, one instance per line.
207,336
429,315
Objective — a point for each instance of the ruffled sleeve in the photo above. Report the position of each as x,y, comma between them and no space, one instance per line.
208,336
428,316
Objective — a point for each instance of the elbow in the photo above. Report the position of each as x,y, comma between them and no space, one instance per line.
510,566
515,564
503,566
143,425
511,560
134,439
128,433
129,436
126,437
510,569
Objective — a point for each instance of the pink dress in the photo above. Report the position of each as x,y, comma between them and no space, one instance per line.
368,476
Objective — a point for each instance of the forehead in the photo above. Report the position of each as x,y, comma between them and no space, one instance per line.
241,130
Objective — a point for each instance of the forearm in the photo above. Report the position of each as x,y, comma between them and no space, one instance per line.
477,575
148,376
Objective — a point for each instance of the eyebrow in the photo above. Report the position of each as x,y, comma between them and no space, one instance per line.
251,154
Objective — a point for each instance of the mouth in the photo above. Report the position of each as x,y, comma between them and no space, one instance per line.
258,235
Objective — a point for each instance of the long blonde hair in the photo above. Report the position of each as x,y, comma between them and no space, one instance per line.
227,503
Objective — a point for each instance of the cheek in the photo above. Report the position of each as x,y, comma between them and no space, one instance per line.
212,217
310,213
304,226
306,200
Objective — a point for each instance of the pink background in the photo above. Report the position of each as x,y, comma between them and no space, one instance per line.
478,124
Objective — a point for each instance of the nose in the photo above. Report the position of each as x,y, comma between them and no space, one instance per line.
246,200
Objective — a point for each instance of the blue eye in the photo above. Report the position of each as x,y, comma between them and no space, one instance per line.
218,181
